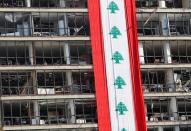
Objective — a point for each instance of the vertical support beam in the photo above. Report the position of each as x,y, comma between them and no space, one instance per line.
26,29
31,56
162,4
36,111
67,53
31,24
167,53
141,53
165,32
170,80
1,113
63,23
160,128
62,3
28,3
71,102
185,3
69,81
173,111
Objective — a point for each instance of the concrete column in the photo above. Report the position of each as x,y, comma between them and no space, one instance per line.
28,3
63,23
35,103
36,112
71,102
67,53
165,32
186,3
1,114
62,3
173,111
25,28
31,56
160,128
167,52
170,80
31,24
72,111
63,26
141,53
162,4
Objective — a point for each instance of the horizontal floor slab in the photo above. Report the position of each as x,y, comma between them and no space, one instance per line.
164,66
164,10
158,38
45,127
168,123
40,97
48,38
24,9
165,94
65,67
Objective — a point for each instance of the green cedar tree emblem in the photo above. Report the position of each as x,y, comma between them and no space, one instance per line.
115,32
117,57
119,82
121,108
123,129
113,7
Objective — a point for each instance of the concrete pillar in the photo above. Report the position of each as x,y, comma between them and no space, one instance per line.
36,112
31,57
25,28
31,24
165,32
67,53
20,30
72,111
63,23
28,3
170,80
160,128
35,103
173,111
186,3
62,3
71,102
167,52
141,53
1,114
162,4
63,26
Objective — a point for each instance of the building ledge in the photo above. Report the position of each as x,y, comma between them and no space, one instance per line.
48,38
40,97
163,10
64,67
47,127
168,123
164,66
166,94
163,38
54,10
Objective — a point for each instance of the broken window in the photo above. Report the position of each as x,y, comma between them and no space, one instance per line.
41,112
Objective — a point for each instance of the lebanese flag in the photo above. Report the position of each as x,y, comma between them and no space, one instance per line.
119,97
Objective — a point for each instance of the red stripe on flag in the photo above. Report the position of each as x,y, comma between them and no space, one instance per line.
135,65
104,122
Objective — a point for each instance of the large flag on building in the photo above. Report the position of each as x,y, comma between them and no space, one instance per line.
116,65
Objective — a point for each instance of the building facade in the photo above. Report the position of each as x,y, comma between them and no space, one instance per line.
164,48
46,69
